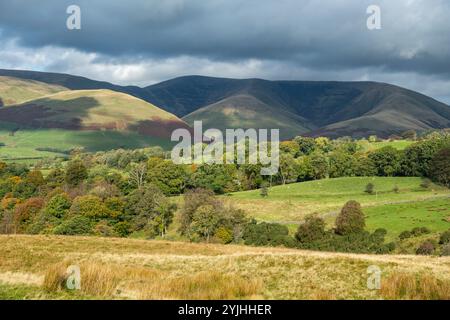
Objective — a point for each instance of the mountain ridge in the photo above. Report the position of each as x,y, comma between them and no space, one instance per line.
331,108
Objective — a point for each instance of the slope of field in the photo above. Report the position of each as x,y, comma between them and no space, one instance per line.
93,109
140,269
14,90
92,119
395,218
245,111
290,203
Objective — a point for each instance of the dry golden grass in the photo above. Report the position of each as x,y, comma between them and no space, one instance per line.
104,281
415,287
139,269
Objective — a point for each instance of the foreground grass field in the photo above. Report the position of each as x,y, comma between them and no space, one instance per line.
31,267
291,203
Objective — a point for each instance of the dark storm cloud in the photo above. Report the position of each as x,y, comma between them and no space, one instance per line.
314,34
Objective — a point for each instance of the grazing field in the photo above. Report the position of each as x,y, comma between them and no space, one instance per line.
291,203
32,266
433,214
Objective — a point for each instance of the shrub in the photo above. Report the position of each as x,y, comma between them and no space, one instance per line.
76,172
267,234
312,229
396,189
440,166
445,237
405,235
225,235
362,242
426,183
378,235
351,219
419,231
77,225
89,206
370,187
445,250
264,191
426,248
193,199
389,247
103,229
122,229
387,161
58,206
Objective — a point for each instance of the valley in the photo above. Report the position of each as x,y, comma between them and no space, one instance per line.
86,180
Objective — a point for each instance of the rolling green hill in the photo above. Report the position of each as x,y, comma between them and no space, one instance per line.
291,203
90,119
93,110
15,90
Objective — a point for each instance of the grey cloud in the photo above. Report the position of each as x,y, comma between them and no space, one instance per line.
146,41
318,34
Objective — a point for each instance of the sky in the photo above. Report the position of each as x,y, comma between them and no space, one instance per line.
141,42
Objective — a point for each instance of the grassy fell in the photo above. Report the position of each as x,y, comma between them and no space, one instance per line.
91,119
14,90
291,203
136,269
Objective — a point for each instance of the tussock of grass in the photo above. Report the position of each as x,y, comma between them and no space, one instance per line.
141,283
415,287
203,286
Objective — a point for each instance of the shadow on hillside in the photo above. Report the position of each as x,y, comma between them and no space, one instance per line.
1,102
50,113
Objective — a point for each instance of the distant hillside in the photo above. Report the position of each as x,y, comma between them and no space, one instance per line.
68,81
14,90
93,110
295,107
327,108
246,111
